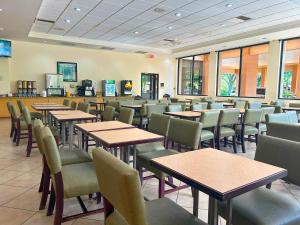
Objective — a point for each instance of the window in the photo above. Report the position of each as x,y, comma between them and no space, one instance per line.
242,72
290,69
228,72
254,70
193,75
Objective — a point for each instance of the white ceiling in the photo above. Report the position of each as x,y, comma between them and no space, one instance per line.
202,22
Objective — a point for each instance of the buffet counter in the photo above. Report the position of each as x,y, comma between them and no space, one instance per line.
32,100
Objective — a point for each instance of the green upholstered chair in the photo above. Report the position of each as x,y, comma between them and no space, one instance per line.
199,106
249,126
262,124
84,107
293,117
183,132
215,105
67,158
253,105
108,114
284,131
174,100
140,118
209,121
152,101
158,124
28,122
139,101
228,120
174,108
277,118
126,206
20,126
239,104
126,115
68,181
265,206
34,115
164,100
280,103
157,109
196,100
74,105
66,102
12,127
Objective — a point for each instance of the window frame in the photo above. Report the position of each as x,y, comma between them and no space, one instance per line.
240,73
281,66
192,80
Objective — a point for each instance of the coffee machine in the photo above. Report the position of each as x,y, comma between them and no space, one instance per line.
87,87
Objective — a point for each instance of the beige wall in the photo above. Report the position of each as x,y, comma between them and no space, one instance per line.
30,61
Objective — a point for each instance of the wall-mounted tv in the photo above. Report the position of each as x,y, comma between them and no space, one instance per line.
5,48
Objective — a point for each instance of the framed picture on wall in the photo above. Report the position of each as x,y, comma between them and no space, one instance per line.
69,70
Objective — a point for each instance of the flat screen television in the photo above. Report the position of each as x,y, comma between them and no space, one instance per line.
5,48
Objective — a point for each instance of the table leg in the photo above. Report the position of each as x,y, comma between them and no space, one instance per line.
195,201
213,211
63,133
229,212
79,140
134,156
71,136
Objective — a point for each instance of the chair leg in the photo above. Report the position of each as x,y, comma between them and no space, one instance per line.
140,169
243,143
18,137
234,143
46,184
41,182
161,188
212,143
51,202
15,135
59,204
170,179
12,129
225,141
29,143
256,139
218,143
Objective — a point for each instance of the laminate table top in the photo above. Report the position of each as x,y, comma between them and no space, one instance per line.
185,114
290,108
102,126
137,106
50,107
242,111
123,137
78,116
219,174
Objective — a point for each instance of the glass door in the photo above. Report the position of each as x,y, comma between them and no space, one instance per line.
149,85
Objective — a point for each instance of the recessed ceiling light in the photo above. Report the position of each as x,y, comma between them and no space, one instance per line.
228,5
77,9
223,25
136,32
178,14
1,10
170,27
67,20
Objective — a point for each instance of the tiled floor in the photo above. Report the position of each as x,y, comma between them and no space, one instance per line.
20,176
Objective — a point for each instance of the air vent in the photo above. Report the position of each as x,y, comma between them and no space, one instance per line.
106,48
67,44
172,42
141,52
44,21
244,18
58,29
159,10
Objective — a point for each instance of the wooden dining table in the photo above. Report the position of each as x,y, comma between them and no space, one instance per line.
125,137
190,115
68,118
85,128
46,107
222,176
